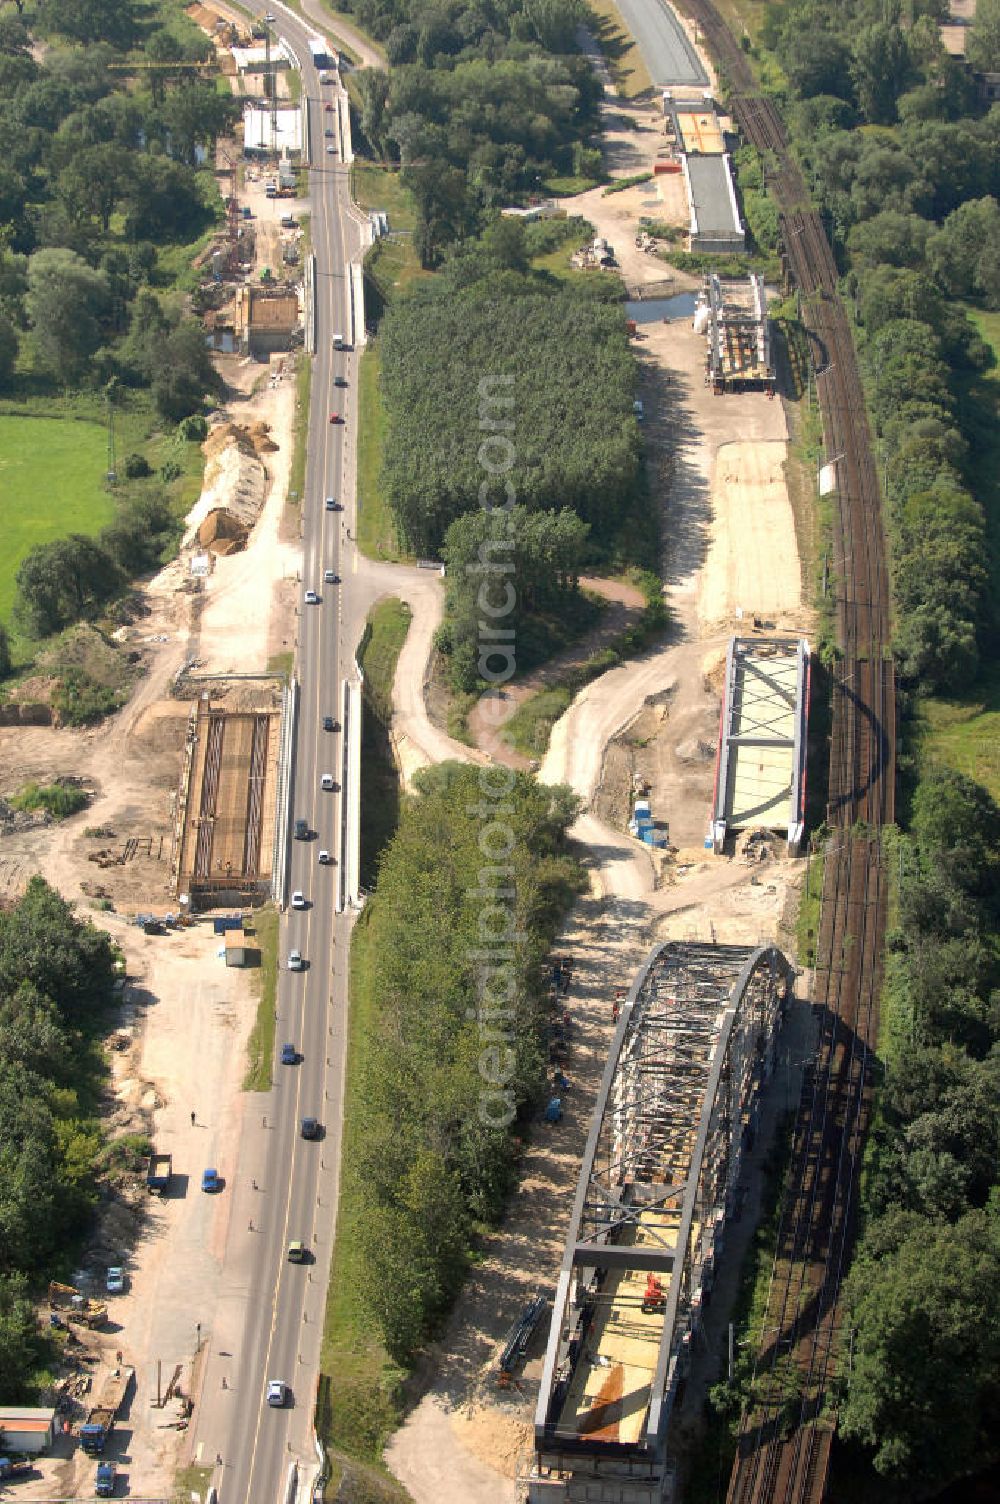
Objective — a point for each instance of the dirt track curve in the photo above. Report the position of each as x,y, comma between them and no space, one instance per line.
787,1430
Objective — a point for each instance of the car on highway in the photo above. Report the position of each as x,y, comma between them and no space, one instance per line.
331,151
270,17
330,724
289,1055
328,783
334,417
328,131
297,1252
277,1393
340,381
312,599
325,859
298,899
332,504
310,1128
328,108
329,578
301,829
210,1180
114,1281
295,961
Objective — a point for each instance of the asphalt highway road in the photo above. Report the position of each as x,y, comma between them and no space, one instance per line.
284,1302
666,51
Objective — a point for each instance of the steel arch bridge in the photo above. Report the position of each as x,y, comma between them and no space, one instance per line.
677,1107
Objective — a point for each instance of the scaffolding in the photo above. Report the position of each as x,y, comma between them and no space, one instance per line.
738,335
678,1106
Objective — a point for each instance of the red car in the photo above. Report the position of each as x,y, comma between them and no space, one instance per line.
328,108
334,417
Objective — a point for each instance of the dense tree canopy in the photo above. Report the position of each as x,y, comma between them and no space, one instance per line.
56,976
481,105
923,1392
457,1045
913,200
501,391
94,171
60,582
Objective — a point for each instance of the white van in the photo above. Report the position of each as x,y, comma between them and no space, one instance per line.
338,341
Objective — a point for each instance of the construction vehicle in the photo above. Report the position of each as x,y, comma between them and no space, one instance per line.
100,1421
653,1298
9,1469
105,1481
77,1307
159,1172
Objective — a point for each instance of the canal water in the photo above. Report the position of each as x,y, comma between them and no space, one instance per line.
655,310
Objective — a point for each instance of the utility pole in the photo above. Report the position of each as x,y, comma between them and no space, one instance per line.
112,471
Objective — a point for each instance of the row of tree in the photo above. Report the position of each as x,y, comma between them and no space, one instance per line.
56,979
922,1389
513,571
467,905
913,202
506,389
481,105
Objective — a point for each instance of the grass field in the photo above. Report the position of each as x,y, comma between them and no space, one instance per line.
52,481
260,1045
376,530
530,727
964,732
375,187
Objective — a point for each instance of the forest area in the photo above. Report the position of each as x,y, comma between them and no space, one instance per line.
481,105
106,190
57,976
904,162
901,153
510,430
448,1053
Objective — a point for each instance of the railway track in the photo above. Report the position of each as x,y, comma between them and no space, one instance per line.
786,1433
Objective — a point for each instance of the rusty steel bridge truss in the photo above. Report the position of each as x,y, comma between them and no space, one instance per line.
677,1107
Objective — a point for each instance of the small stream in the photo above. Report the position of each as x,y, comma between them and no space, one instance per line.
655,310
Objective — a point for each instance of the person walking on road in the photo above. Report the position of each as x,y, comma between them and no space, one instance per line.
192,1120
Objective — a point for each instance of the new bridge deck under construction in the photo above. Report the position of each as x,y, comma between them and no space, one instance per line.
227,805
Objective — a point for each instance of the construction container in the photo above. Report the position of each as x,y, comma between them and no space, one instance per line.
642,808
661,167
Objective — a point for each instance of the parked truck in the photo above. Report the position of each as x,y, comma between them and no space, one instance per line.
9,1469
76,1306
106,1480
100,1421
159,1172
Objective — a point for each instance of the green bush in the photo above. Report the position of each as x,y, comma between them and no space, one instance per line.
57,799
620,184
81,700
193,429
136,467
